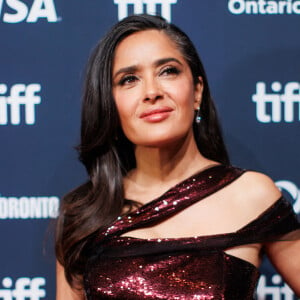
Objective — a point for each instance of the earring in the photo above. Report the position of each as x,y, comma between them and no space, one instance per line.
198,117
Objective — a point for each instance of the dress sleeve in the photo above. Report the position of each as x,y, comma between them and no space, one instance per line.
278,223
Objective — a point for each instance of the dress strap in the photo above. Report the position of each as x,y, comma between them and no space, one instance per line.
182,195
277,223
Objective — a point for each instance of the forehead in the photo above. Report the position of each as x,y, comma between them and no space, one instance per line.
144,46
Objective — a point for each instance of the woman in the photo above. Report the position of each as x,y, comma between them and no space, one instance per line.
150,134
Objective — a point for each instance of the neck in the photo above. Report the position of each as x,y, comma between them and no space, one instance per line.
168,164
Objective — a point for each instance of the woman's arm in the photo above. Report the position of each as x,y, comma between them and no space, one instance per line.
261,192
63,289
285,256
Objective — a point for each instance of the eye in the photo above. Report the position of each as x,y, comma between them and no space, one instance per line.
128,79
170,71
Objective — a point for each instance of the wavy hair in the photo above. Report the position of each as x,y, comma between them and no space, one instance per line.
96,203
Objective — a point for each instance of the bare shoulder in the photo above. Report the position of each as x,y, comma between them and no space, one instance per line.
256,191
259,183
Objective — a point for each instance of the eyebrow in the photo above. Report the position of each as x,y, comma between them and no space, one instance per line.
157,63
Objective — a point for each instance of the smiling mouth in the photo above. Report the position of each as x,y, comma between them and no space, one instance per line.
156,111
156,115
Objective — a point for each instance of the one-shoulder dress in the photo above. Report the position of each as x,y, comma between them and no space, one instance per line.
198,267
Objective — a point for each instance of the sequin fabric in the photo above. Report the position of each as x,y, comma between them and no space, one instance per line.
181,268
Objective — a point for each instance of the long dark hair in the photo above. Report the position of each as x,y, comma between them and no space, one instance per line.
105,151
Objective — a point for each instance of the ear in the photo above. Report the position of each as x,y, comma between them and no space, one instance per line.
198,93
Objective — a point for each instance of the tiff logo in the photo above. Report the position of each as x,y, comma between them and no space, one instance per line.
292,189
281,105
25,288
276,290
151,7
20,95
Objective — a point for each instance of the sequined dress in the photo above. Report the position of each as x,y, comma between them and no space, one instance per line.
181,268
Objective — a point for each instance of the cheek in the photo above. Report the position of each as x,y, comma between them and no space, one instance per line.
124,116
122,103
185,96
126,110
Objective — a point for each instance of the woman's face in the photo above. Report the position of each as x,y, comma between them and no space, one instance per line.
154,90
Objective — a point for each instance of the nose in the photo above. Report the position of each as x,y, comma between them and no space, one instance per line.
153,91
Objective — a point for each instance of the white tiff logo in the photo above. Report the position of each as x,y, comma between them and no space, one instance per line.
276,291
282,104
25,289
264,7
151,7
19,11
292,189
20,95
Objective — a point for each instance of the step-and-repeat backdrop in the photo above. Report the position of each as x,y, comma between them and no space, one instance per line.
251,51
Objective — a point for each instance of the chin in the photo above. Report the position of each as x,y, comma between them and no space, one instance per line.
161,142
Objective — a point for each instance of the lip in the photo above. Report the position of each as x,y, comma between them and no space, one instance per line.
156,111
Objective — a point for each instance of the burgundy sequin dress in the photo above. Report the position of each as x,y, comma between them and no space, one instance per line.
181,268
